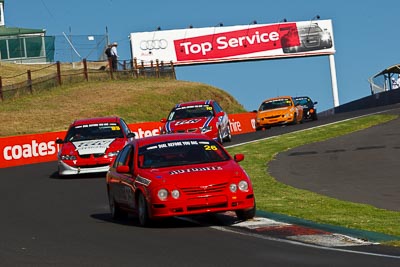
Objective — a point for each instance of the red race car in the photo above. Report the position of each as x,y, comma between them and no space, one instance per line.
176,175
206,117
91,145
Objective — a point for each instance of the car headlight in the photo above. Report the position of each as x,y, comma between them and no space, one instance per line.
243,186
68,157
175,193
233,188
112,154
162,194
288,115
206,129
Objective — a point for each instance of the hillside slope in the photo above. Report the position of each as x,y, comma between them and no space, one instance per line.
134,100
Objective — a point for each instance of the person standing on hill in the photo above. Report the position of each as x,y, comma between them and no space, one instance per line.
108,54
114,56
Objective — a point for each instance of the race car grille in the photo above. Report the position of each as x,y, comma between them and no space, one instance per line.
97,155
272,117
92,166
201,190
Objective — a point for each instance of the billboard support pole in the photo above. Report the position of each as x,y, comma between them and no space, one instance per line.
334,81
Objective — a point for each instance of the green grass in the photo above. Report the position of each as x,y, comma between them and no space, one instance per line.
273,196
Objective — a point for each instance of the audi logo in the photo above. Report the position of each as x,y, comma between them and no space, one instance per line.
153,44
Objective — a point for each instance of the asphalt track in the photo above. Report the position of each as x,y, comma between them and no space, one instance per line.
47,221
362,167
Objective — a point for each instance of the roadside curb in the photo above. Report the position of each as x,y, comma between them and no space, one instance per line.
357,233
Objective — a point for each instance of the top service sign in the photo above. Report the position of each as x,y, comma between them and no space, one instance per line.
234,43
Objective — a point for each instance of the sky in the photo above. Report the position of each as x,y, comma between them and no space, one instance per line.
366,37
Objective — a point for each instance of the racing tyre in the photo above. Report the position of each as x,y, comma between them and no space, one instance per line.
295,121
314,117
220,138
245,215
116,212
143,211
228,137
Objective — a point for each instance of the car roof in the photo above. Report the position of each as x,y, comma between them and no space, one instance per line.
95,120
278,97
170,137
301,97
197,102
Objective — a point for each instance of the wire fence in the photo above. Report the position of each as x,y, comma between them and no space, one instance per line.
58,74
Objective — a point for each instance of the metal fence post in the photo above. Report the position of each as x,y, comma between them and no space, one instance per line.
157,69
1,89
136,70
85,71
111,68
29,81
144,74
59,73
173,69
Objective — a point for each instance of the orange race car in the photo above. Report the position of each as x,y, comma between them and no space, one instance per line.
278,111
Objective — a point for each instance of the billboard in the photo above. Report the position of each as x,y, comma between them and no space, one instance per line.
234,43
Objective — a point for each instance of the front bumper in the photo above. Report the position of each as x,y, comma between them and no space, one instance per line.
201,205
65,169
276,120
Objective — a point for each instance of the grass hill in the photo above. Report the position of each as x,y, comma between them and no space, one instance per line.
136,100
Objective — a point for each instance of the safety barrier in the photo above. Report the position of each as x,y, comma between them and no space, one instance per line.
37,148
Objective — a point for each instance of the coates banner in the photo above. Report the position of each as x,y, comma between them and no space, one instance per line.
36,148
234,43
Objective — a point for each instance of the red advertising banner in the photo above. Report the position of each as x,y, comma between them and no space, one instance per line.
36,148
234,43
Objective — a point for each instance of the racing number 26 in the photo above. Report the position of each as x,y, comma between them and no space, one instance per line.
208,147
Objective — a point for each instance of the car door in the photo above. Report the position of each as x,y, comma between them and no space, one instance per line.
121,184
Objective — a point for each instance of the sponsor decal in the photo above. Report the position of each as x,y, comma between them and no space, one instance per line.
92,146
190,170
33,149
174,144
153,44
191,121
141,180
230,44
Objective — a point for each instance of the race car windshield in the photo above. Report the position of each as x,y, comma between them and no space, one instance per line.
279,103
94,131
191,112
178,153
304,101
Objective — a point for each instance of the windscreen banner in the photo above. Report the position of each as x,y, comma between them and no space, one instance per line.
42,147
234,43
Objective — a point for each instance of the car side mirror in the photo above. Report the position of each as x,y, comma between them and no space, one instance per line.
131,135
163,120
59,141
238,157
254,111
316,102
123,169
219,114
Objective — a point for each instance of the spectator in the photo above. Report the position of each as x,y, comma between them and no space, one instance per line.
108,51
108,54
114,55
